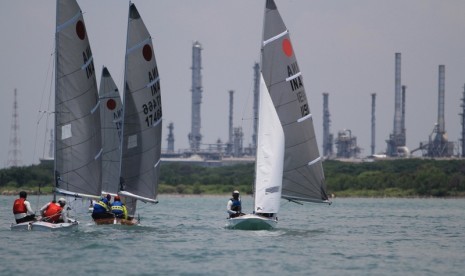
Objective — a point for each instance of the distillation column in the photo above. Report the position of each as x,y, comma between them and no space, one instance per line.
170,138
327,137
373,121
256,92
462,116
195,138
229,149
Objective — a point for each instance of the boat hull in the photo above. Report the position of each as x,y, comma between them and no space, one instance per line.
252,222
43,226
131,221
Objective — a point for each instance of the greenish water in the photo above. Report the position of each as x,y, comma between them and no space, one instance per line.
186,236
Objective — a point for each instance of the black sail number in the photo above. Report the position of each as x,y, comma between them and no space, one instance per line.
152,111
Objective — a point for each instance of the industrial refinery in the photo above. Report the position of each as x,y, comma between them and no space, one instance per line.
345,143
233,150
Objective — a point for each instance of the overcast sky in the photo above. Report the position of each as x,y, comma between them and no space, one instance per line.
344,48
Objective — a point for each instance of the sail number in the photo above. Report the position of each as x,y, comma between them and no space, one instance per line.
152,110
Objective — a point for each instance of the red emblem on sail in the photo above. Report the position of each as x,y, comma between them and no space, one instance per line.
147,52
111,104
287,47
80,30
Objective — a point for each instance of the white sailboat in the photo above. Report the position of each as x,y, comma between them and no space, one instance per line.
77,116
302,176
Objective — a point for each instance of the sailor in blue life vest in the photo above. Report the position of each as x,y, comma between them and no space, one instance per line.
102,208
234,207
119,209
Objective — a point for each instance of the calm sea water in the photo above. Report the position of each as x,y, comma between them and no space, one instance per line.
186,236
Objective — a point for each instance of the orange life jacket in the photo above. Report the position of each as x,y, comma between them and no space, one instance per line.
19,206
53,212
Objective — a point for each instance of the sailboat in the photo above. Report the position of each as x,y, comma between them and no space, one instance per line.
302,177
142,119
111,115
77,144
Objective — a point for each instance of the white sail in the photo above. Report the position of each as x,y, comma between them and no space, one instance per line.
142,123
303,177
77,116
270,156
111,113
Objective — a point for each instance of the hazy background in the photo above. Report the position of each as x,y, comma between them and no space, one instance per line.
345,48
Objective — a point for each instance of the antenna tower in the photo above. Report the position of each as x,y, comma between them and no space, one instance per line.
14,153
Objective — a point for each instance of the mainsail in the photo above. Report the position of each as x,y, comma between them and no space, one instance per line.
111,112
142,123
77,115
303,177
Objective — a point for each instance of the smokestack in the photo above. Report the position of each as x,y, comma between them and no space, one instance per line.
195,137
256,92
231,103
404,88
373,107
326,122
397,98
463,122
441,95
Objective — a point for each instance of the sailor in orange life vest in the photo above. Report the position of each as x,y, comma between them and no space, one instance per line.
22,209
234,208
102,208
54,212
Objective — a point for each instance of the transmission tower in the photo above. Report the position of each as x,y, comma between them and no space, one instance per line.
14,152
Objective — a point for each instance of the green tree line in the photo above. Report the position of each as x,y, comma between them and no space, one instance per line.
401,178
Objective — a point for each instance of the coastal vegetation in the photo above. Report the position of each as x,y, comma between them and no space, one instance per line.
385,178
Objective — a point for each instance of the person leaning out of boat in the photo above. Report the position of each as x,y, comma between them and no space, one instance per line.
119,208
102,208
234,207
22,209
54,212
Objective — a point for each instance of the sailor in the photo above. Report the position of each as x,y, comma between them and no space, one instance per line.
102,208
234,208
54,211
119,208
22,209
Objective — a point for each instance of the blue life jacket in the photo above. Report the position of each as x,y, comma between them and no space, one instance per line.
117,208
101,206
236,205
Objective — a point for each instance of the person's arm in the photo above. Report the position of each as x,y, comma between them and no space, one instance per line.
228,208
64,214
28,207
125,212
42,210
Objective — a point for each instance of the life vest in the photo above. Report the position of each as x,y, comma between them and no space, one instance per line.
101,207
236,205
117,208
53,212
19,207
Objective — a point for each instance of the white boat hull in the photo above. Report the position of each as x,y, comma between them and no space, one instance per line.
43,226
252,222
